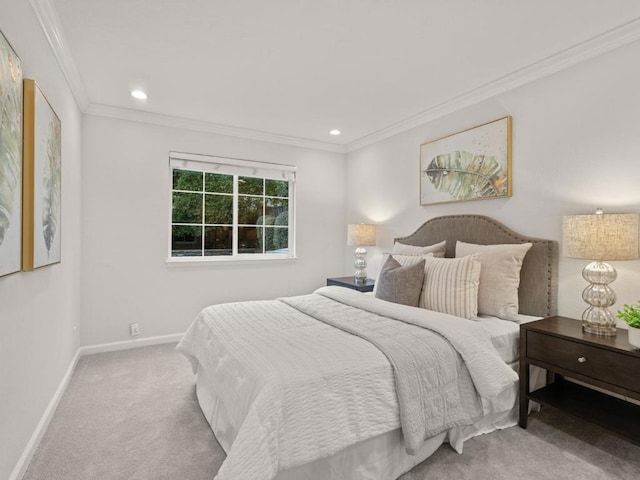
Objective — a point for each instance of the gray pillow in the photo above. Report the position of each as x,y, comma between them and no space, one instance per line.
404,261
400,284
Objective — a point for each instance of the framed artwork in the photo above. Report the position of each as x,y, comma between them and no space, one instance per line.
474,164
42,181
10,158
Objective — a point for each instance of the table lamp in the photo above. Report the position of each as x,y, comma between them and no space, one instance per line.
600,237
361,235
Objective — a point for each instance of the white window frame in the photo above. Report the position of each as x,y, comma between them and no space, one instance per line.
235,167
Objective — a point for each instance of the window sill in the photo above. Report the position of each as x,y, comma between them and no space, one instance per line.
199,261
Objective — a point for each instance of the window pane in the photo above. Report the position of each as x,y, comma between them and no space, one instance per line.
249,210
248,241
187,180
216,183
277,207
250,186
186,241
280,241
218,209
282,220
276,240
218,241
265,236
277,188
187,207
219,214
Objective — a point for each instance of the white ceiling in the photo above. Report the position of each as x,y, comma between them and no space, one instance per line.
299,68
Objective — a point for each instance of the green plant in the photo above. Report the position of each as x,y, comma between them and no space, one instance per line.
281,235
630,314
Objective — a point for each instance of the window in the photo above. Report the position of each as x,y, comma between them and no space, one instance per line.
225,209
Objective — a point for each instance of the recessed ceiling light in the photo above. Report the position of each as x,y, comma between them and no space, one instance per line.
335,132
139,94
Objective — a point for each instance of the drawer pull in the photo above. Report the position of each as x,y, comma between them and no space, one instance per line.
582,359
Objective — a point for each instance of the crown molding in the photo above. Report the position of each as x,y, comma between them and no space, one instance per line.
52,28
598,45
207,127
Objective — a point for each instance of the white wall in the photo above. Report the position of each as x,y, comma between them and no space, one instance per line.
576,146
126,201
40,310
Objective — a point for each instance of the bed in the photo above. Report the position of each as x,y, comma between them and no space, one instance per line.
338,385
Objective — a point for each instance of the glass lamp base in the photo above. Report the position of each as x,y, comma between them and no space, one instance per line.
599,329
360,264
597,319
360,275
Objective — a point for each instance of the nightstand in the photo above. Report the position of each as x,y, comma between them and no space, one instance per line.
558,345
351,282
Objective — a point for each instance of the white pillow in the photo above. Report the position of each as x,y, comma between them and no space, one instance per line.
499,277
451,286
437,249
407,260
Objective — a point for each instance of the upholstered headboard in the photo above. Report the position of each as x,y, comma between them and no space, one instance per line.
538,292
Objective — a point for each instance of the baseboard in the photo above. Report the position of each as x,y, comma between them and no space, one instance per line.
127,344
23,463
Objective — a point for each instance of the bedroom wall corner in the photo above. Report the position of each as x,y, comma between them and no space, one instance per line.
126,211
40,310
575,148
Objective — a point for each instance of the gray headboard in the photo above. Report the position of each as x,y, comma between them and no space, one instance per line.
538,292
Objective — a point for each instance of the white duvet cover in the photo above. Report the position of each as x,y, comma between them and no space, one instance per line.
295,389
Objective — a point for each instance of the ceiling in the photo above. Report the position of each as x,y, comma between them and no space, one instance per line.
295,69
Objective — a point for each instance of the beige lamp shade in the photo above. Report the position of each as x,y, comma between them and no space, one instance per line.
361,234
601,236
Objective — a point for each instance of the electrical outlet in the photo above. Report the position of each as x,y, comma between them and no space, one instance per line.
135,329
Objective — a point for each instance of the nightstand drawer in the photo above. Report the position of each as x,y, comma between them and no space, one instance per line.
608,366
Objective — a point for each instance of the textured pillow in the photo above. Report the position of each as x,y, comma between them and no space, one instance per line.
400,284
406,260
451,286
499,277
403,260
437,249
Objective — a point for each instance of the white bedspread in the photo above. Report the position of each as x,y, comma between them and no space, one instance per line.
297,389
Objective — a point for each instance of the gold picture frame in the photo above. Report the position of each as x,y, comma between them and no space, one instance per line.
42,181
10,158
473,164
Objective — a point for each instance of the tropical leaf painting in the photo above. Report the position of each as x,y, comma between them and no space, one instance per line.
10,158
51,183
47,183
470,165
43,180
466,175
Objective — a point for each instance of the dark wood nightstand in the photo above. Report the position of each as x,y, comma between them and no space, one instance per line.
351,282
558,345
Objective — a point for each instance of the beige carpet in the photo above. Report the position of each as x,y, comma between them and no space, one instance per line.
134,415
